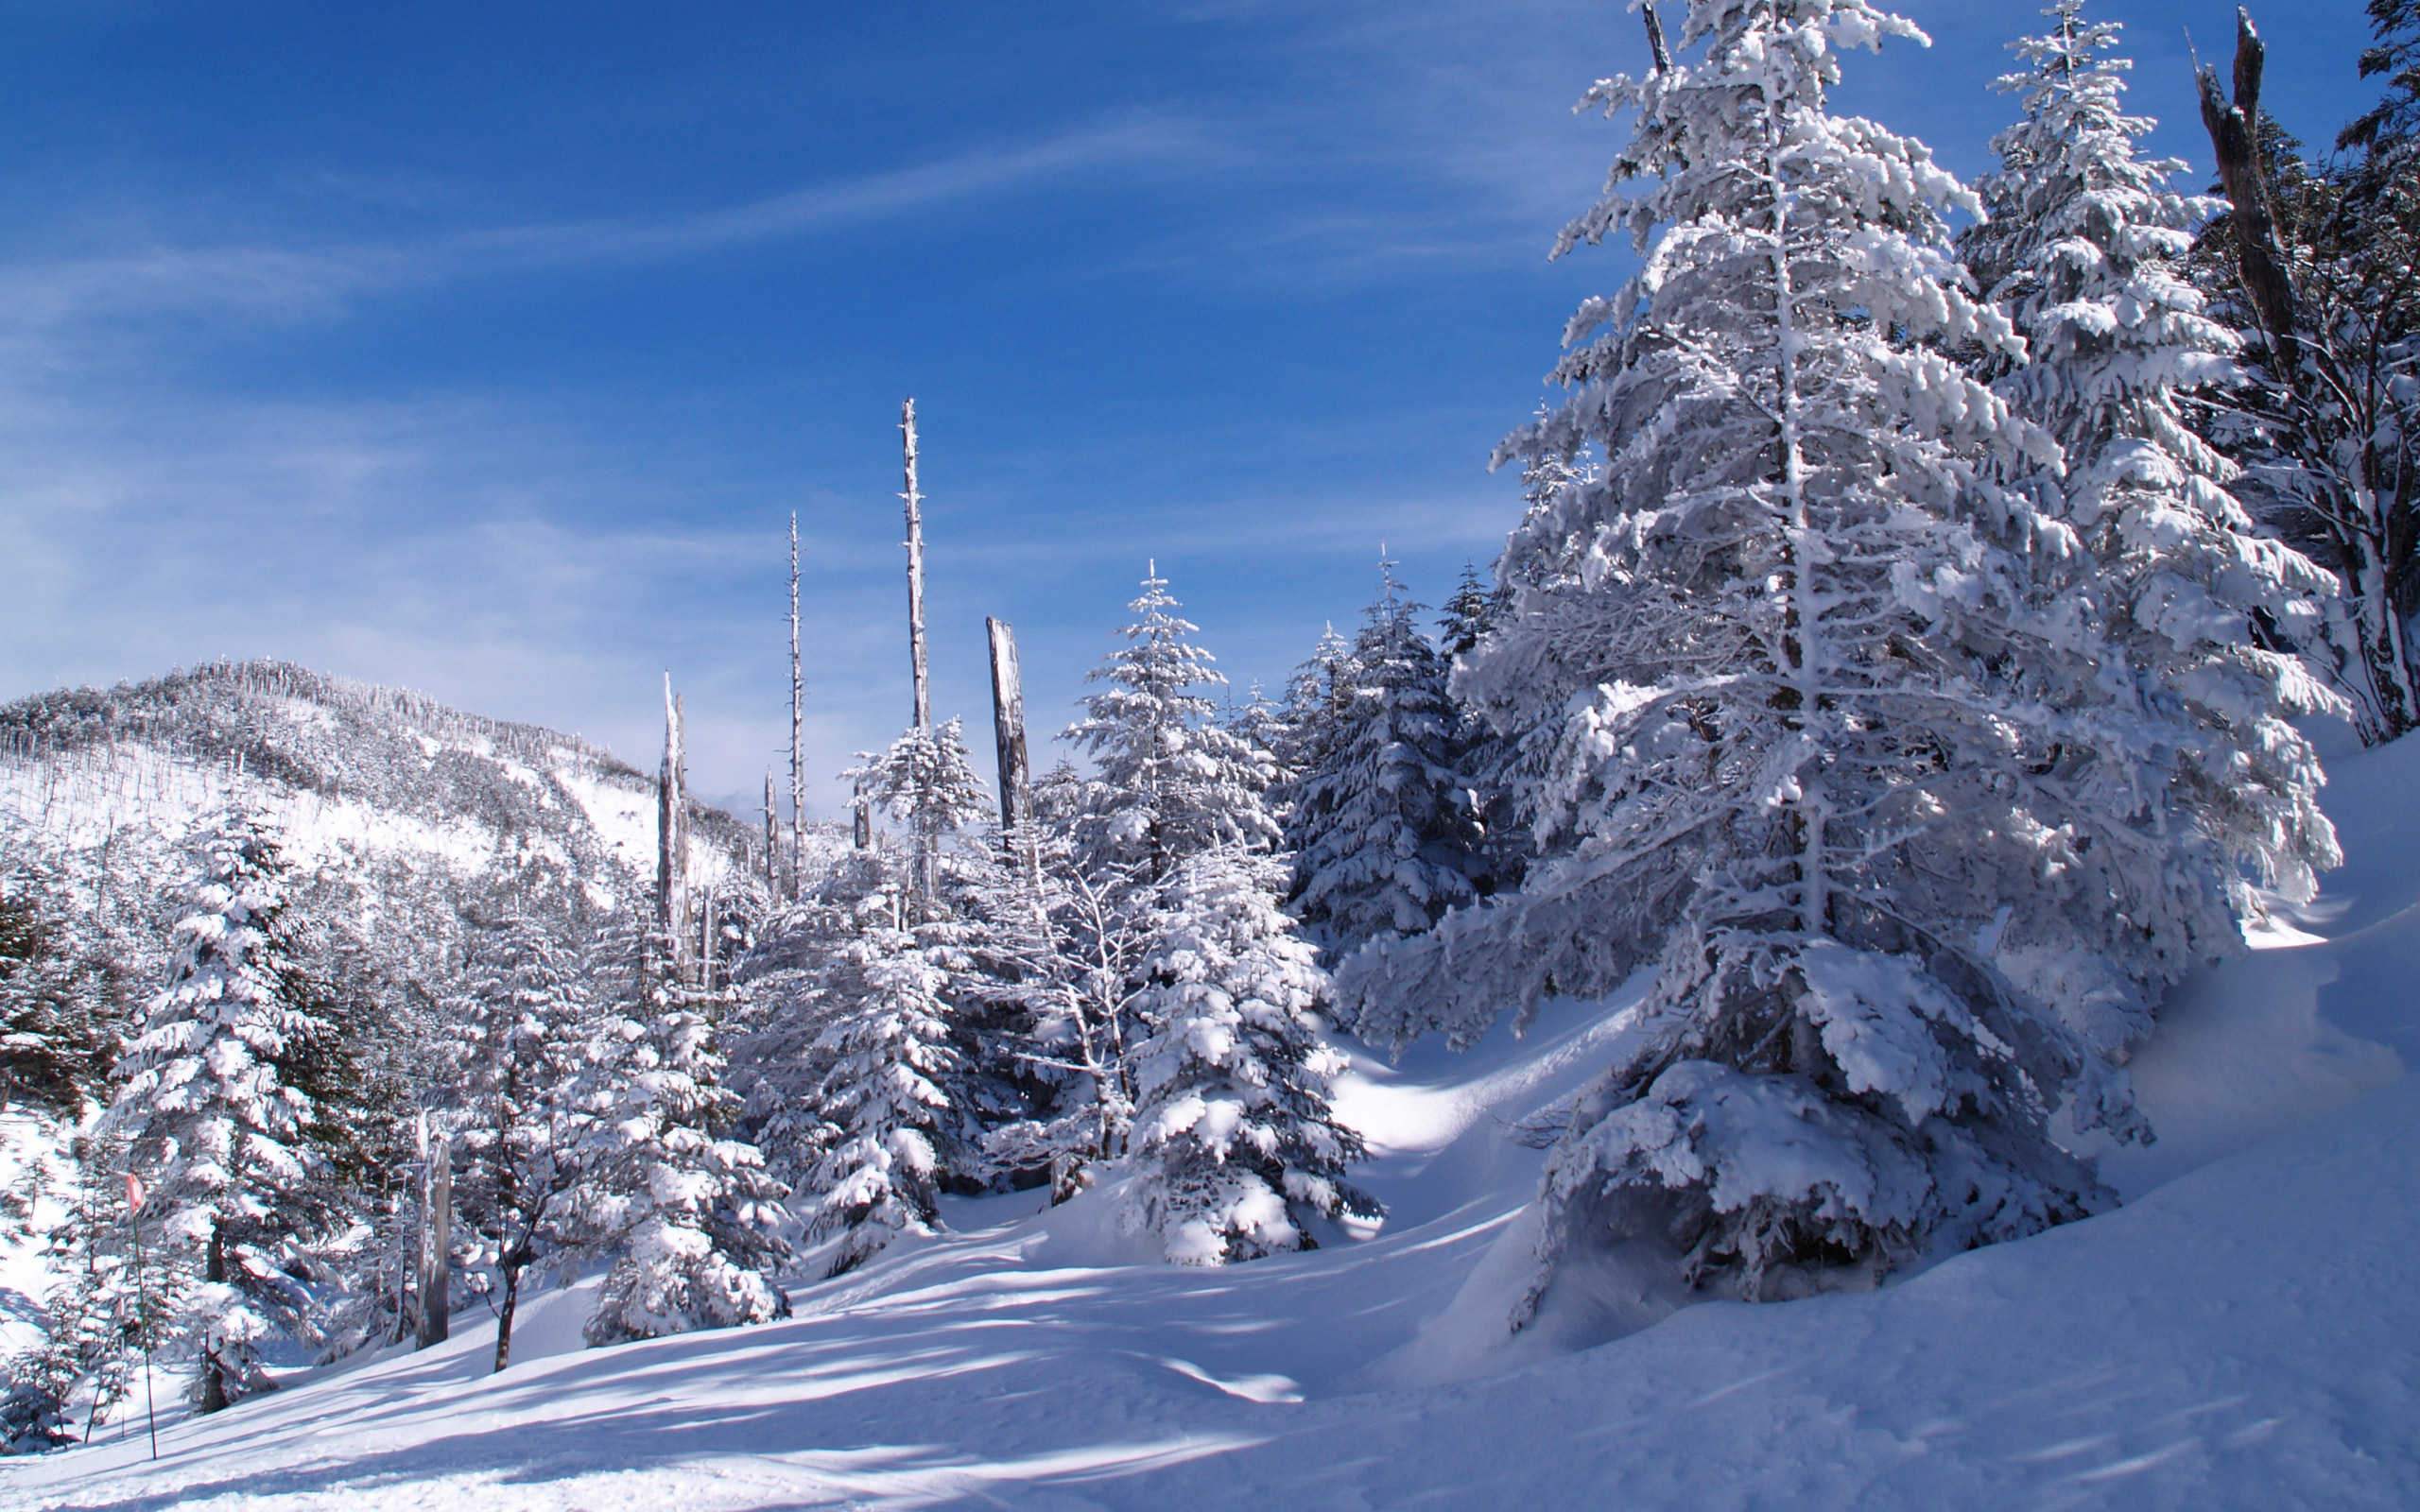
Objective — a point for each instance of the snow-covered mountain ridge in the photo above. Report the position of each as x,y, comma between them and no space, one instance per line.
411,802
2239,1336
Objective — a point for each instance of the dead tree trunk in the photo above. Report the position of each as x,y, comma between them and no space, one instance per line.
2234,137
928,842
1008,729
797,728
436,1242
915,567
671,841
772,845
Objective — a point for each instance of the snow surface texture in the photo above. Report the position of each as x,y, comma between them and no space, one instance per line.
2241,1336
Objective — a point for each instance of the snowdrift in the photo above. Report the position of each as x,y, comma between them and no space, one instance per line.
2243,1335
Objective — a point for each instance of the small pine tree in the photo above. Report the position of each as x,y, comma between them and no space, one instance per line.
96,1315
1168,782
211,1125
891,1126
1383,830
58,1019
688,1211
1234,1138
926,782
519,1040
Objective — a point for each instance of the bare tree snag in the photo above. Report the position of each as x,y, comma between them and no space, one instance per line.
915,567
672,840
2234,137
798,726
1008,729
1655,43
437,1241
772,843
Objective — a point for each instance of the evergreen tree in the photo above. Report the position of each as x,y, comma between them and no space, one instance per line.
926,782
687,1210
1168,783
1317,695
2149,586
520,1036
1234,1138
890,1126
1782,646
94,1317
1383,830
58,1019
214,1131
2390,128
1470,614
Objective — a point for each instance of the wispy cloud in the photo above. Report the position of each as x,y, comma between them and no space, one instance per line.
305,279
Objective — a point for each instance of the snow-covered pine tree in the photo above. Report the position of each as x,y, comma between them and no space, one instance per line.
211,1128
891,1126
1383,830
926,782
1317,692
1168,783
94,1315
687,1210
1233,1138
2150,582
57,1014
1772,751
1065,951
520,1035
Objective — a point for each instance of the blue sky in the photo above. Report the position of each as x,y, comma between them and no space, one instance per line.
485,350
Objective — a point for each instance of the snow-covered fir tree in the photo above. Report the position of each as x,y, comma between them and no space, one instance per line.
2151,586
1066,950
1168,782
521,1033
1798,762
1234,1141
1384,831
890,1126
96,1315
213,1127
926,782
1317,692
58,1017
686,1209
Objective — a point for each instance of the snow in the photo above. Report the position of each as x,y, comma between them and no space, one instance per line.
2239,1335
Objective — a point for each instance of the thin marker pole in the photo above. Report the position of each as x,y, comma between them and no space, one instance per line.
142,1307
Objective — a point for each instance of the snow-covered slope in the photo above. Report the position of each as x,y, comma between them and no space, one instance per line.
2245,1333
385,785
